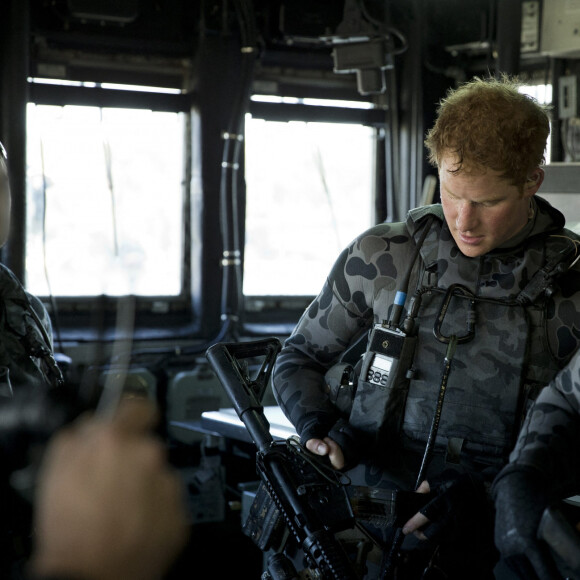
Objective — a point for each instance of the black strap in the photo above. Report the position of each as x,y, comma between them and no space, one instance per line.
558,261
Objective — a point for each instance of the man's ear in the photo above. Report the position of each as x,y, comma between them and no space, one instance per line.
533,182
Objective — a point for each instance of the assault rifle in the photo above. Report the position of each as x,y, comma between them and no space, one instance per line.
301,503
301,506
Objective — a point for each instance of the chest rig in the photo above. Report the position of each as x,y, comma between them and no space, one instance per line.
491,311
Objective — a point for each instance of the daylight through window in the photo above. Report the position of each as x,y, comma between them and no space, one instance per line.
104,201
309,193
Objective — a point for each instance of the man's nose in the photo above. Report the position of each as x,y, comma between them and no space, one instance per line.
466,219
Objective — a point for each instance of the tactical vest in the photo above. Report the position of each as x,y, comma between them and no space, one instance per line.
26,357
496,310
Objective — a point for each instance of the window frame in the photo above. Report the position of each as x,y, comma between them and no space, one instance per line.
170,317
278,314
156,317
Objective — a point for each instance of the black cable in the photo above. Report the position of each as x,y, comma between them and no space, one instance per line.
232,292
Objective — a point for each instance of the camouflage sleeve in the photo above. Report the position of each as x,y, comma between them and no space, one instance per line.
43,317
340,314
563,316
549,439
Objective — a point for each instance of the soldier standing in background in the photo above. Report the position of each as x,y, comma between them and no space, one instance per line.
27,369
26,357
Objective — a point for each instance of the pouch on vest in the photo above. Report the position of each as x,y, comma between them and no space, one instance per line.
383,382
341,384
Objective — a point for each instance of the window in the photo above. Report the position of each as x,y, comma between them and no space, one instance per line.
543,94
559,188
104,201
309,193
568,204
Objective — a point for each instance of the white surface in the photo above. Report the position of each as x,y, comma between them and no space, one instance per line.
280,426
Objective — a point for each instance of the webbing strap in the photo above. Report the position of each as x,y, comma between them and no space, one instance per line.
558,261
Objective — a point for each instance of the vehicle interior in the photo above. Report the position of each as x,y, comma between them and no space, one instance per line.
185,172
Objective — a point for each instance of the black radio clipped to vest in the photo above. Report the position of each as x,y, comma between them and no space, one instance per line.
384,382
387,365
389,348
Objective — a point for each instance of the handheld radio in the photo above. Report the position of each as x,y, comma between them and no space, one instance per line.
387,365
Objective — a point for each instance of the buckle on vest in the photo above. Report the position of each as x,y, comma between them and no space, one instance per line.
456,289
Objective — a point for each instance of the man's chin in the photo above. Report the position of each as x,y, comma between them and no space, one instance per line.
471,250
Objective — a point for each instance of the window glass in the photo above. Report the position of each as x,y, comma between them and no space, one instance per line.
309,193
104,201
542,94
567,203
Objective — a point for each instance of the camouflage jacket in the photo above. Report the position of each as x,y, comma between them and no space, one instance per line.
521,346
25,337
549,439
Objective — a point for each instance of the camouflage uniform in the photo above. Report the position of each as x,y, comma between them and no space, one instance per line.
543,470
549,439
517,347
26,365
26,338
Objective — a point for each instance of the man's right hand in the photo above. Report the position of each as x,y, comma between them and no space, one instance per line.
327,446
